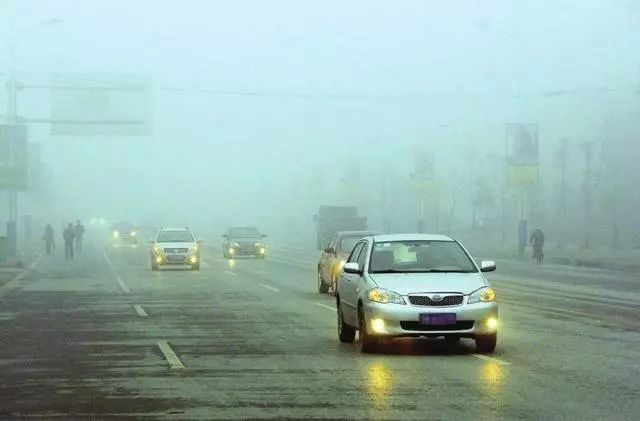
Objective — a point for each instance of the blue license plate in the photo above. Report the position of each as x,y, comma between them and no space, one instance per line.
438,319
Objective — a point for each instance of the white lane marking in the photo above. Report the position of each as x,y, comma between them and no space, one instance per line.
270,287
15,282
169,355
325,306
138,308
228,272
205,264
491,359
106,257
122,284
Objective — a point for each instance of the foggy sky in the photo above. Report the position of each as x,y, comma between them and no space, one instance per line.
384,78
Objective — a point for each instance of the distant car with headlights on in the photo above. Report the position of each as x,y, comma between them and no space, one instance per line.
124,234
334,257
175,247
415,285
243,241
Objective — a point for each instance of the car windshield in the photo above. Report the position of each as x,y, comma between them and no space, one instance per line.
244,232
177,236
420,256
348,243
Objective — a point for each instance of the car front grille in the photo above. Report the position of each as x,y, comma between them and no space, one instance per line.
447,300
460,325
175,250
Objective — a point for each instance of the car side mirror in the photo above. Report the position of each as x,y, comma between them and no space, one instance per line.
264,235
330,250
487,266
352,267
224,236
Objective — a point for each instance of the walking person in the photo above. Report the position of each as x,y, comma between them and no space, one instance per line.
78,233
49,239
68,242
537,241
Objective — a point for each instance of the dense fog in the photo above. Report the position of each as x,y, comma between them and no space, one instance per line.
259,112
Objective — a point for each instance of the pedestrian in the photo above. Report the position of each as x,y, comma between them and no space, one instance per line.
49,239
68,242
78,233
537,241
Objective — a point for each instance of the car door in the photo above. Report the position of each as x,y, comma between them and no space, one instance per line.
347,287
360,281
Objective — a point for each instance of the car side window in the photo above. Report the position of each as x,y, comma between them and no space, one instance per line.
363,255
355,253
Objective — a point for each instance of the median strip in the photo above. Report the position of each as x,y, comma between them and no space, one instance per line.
170,356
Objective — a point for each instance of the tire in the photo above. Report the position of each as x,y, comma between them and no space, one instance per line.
346,333
322,287
195,267
486,344
368,343
154,266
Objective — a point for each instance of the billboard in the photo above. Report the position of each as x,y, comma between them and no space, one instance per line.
422,179
521,149
100,105
14,157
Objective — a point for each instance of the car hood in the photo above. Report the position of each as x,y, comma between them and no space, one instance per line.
175,245
406,283
246,240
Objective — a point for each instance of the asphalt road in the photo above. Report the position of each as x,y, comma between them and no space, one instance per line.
104,337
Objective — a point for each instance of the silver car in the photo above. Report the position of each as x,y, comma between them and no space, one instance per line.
415,285
175,247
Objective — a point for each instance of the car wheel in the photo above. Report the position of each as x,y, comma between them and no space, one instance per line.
322,287
195,267
486,344
346,333
368,343
154,266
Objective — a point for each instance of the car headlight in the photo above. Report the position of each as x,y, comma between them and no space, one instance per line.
484,294
384,296
116,234
133,233
235,245
194,249
157,249
257,245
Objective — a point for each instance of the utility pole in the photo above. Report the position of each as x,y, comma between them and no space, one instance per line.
588,149
12,119
561,155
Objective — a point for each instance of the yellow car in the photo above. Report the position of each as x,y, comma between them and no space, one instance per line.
334,256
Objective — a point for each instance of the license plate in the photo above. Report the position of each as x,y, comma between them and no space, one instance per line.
438,319
175,258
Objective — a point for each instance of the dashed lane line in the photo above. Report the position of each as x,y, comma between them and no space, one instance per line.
269,287
141,312
228,272
325,306
491,359
123,285
170,356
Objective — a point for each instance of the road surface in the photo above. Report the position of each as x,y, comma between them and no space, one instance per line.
105,337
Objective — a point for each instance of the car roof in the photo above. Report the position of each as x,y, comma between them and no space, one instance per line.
411,237
356,233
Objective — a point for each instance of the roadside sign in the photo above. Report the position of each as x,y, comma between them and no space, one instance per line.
14,161
521,149
100,105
